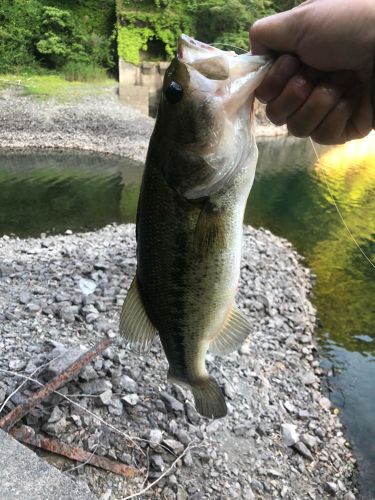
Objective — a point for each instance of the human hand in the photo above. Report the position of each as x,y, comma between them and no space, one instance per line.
320,85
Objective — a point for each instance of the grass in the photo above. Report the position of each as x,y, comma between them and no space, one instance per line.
83,72
53,85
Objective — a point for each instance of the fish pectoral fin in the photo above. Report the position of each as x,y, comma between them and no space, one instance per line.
135,325
210,231
232,334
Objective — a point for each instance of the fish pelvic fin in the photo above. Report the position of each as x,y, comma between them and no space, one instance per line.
209,398
232,334
135,325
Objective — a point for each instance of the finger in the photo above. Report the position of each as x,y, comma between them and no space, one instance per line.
293,96
360,123
277,77
278,33
333,128
320,102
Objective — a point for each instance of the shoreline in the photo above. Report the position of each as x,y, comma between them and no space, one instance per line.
272,384
96,123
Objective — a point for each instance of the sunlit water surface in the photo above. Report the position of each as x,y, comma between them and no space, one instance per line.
52,192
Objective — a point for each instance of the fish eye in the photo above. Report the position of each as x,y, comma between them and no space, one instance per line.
173,93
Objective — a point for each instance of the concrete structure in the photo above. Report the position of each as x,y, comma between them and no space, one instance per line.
140,85
25,476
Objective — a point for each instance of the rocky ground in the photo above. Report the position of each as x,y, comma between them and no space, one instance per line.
281,439
93,123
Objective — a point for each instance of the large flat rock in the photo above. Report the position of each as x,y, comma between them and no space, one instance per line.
25,476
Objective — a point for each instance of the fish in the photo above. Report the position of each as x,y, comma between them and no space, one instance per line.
199,171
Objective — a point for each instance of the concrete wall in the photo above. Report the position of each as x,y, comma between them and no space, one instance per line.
140,85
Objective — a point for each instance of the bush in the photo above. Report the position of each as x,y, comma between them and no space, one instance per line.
19,27
84,72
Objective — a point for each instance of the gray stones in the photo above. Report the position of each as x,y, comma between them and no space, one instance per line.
241,456
289,434
96,387
174,446
157,463
17,364
88,373
105,397
67,314
308,378
25,297
56,415
303,450
61,359
331,487
55,428
125,383
171,403
131,399
325,403
87,286
309,440
156,436
115,406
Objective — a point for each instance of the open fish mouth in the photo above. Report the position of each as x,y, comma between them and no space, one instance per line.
193,52
189,50
240,74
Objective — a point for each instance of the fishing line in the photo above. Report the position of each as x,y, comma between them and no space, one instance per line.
325,177
229,45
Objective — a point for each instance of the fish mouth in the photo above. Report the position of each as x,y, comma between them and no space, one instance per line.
238,75
190,50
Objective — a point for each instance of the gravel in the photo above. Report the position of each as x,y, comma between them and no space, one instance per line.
96,122
281,438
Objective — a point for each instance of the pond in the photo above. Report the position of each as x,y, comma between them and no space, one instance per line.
49,192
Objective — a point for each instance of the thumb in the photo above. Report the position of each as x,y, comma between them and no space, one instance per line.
278,33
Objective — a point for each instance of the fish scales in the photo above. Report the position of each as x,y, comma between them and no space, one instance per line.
189,228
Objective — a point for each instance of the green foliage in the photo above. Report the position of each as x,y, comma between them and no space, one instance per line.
19,26
215,21
54,32
140,22
84,72
131,40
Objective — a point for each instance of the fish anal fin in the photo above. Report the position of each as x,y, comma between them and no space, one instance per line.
135,325
210,230
232,334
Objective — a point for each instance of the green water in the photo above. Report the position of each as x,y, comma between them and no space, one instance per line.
52,192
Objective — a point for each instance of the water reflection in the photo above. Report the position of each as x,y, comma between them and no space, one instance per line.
55,191
291,198
51,192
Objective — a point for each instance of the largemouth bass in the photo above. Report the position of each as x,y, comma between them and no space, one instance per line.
199,170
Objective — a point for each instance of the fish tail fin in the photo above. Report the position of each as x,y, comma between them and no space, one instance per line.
209,398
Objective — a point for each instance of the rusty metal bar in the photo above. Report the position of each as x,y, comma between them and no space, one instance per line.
7,422
27,435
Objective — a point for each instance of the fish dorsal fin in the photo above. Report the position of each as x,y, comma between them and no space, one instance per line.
135,325
209,231
232,334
